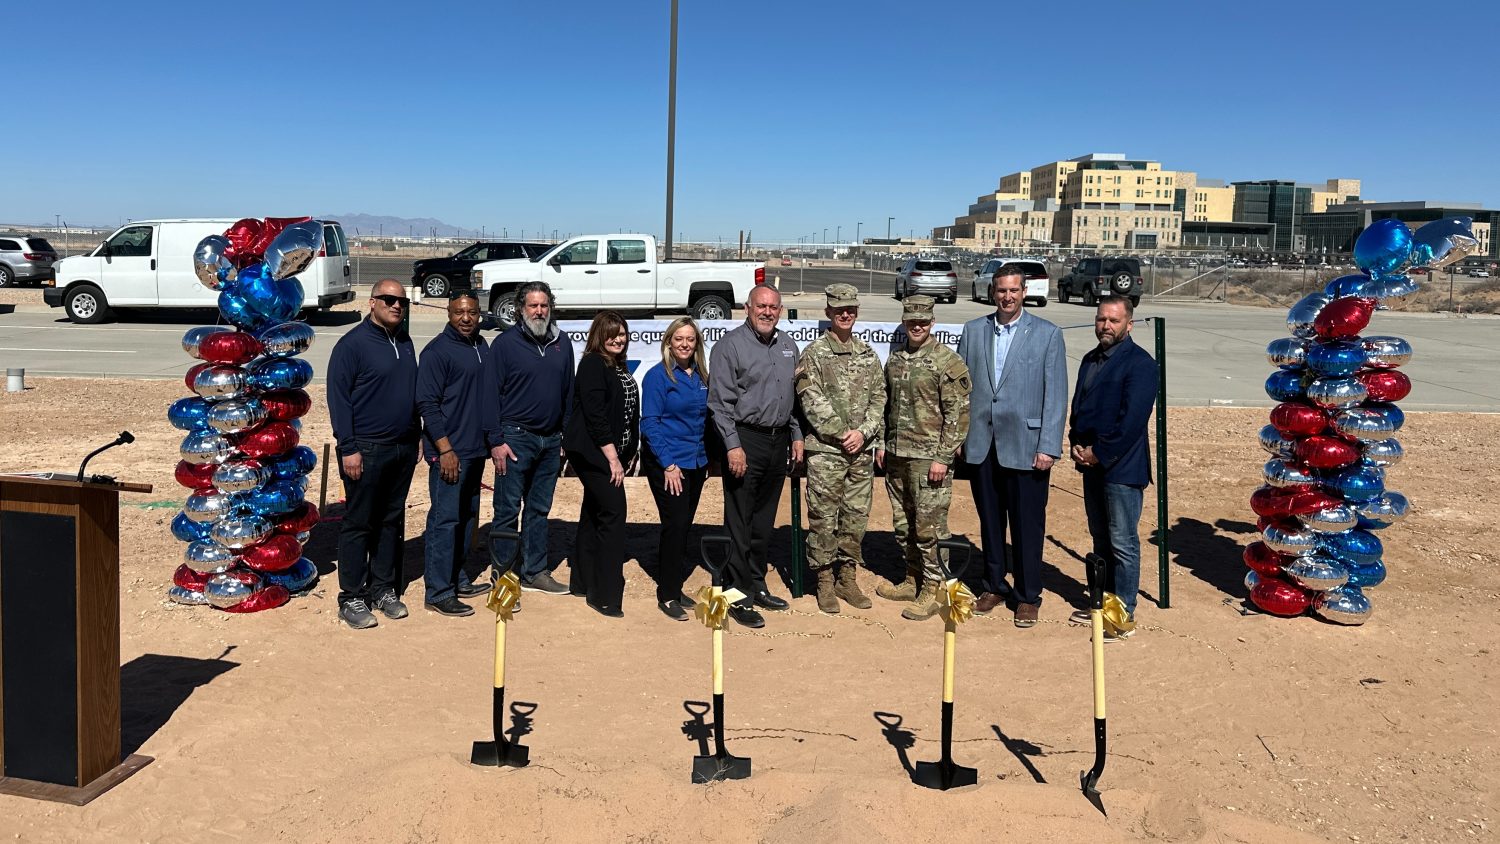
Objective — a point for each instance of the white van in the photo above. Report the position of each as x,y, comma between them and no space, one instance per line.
149,264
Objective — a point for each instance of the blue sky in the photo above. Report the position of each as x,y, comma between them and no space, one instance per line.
792,117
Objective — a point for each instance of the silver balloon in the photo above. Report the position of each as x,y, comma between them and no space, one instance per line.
209,259
1296,541
205,446
1344,605
1384,510
205,557
217,383
1335,519
294,249
1385,352
208,507
194,336
181,595
1299,320
235,415
302,536
225,590
238,533
1271,441
287,339
1336,392
1252,579
1382,453
1356,423
1280,472
1317,573
1394,292
1287,352
1442,242
235,476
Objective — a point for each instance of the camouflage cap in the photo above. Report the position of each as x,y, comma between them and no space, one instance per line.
917,308
842,296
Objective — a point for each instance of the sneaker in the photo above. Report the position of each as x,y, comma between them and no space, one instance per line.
672,610
544,582
450,606
356,614
1121,636
390,605
473,590
1080,617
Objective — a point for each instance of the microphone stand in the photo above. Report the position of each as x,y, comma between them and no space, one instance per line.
124,438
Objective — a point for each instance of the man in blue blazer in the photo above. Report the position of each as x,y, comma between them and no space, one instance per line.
1107,432
1016,414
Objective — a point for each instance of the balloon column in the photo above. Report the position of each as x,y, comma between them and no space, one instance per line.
245,519
1331,438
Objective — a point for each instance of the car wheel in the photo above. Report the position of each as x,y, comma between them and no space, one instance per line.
712,307
1134,301
974,291
1062,294
85,304
1041,301
503,307
1089,298
435,286
1121,283
5,276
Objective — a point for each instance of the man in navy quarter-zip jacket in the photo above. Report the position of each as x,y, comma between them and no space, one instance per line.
372,384
450,397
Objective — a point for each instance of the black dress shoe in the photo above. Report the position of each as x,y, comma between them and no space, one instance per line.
685,600
472,590
769,601
672,610
746,616
450,606
612,612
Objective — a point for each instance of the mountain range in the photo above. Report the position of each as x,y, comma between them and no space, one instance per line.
373,224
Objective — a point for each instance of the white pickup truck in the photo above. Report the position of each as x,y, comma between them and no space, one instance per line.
620,272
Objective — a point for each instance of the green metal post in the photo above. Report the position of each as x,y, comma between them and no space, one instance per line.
1163,541
799,555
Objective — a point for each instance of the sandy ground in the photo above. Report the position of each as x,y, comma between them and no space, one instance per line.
1224,726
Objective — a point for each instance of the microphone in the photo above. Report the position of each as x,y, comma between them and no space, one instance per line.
124,438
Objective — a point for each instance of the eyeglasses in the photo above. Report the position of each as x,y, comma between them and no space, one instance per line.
392,301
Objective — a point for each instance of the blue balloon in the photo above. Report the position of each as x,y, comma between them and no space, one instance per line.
299,577
189,414
276,301
1337,358
1391,412
237,311
1353,547
1285,385
1358,483
1366,575
294,464
188,530
1383,247
1350,285
1441,242
280,374
276,497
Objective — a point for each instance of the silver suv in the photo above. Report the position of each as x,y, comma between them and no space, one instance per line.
927,275
25,258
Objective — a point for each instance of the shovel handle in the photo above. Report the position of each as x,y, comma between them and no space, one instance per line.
960,547
501,566
1094,569
499,652
715,565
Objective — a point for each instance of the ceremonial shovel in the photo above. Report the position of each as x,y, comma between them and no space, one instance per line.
943,773
502,597
1094,564
713,604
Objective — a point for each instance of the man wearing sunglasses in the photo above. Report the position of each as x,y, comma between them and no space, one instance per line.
372,385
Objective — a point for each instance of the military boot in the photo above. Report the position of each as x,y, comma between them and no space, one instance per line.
906,590
925,605
828,601
848,588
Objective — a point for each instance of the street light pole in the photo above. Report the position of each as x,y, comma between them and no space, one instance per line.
671,126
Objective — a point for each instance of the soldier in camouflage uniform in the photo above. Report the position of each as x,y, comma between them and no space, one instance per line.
841,398
926,420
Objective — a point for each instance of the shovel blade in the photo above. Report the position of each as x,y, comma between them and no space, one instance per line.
1090,782
713,768
944,775
494,754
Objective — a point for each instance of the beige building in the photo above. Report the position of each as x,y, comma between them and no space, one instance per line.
1335,192
1116,229
1017,183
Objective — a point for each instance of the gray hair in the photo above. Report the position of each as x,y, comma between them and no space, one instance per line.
531,287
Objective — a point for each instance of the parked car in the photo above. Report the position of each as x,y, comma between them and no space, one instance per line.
1096,277
24,258
149,264
786,261
437,277
931,276
1035,272
1479,272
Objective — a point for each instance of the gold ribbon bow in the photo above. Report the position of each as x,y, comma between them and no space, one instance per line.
1116,619
958,599
503,595
712,605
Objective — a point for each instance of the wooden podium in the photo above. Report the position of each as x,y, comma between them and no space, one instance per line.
60,638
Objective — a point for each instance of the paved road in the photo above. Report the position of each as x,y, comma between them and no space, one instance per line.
1215,351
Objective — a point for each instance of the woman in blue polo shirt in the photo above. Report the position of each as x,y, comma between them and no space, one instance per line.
674,410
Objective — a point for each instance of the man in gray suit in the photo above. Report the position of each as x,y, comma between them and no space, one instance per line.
1017,412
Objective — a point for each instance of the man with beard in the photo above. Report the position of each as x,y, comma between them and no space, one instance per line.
529,386
1107,431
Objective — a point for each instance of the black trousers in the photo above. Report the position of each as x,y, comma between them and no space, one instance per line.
1014,499
372,535
598,558
676,515
750,508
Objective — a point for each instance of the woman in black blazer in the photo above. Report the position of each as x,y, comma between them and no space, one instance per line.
601,439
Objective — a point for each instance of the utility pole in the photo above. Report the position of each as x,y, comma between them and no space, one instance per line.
671,126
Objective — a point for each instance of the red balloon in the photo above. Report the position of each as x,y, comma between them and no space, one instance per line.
1267,563
242,238
193,371
305,517
1278,597
277,553
271,227
1321,452
189,579
1271,502
229,347
1295,419
286,405
195,476
270,439
1385,384
1311,500
266,598
1344,317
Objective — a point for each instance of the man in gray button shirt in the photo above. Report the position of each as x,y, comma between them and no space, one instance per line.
750,396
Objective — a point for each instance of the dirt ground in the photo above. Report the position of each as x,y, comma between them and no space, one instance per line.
1224,726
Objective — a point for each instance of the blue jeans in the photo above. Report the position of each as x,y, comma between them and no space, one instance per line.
1114,515
531,478
450,523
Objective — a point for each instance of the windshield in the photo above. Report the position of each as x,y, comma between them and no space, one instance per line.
549,251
